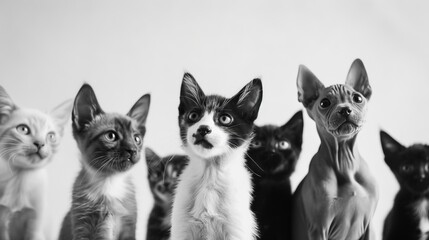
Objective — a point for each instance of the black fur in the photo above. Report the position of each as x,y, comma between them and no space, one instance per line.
272,168
410,165
163,174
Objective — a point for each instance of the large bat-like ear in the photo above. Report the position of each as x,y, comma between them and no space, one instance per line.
191,93
85,108
390,146
357,78
308,86
248,99
140,111
61,114
6,106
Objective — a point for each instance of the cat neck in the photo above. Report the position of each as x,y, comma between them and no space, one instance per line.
341,154
231,159
407,196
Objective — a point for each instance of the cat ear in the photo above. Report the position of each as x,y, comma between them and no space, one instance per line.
152,159
6,106
85,107
390,146
61,114
249,98
357,78
308,86
296,125
140,110
191,93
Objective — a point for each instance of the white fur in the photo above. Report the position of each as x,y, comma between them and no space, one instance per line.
421,210
213,196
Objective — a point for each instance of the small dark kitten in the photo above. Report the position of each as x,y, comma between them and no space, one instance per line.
163,174
272,158
408,218
103,199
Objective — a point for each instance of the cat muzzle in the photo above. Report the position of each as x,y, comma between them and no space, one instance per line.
200,139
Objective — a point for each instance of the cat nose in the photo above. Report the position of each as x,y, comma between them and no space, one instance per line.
131,155
38,144
345,111
204,130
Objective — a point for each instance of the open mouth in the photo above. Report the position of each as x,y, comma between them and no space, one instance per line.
345,128
204,143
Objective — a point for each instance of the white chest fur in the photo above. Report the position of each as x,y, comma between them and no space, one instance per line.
212,201
421,210
24,189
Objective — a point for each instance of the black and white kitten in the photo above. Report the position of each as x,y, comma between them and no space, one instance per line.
409,217
103,198
212,199
272,158
163,173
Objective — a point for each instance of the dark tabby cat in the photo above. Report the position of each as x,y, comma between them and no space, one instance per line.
272,158
104,204
163,174
408,218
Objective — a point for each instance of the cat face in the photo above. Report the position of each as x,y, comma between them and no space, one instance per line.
163,174
212,126
109,142
410,165
275,150
28,137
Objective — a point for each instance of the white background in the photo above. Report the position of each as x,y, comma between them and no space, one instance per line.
127,48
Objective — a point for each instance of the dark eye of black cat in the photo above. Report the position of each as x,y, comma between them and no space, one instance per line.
283,145
23,129
256,144
325,103
225,119
193,116
357,98
406,168
111,136
138,139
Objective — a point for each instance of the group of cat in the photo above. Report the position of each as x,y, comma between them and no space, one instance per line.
208,193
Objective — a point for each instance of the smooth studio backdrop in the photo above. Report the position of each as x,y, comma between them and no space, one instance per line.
125,49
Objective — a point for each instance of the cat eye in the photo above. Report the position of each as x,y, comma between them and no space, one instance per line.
283,145
357,98
52,138
111,136
193,116
138,139
256,144
325,103
407,168
23,129
225,119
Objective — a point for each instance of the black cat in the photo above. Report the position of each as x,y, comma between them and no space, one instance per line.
163,174
408,219
272,158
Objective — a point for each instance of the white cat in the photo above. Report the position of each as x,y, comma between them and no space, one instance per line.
28,140
212,199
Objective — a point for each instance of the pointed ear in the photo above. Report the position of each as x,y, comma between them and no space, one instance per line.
140,110
6,106
308,86
61,114
357,78
191,93
152,159
85,108
249,98
390,146
296,126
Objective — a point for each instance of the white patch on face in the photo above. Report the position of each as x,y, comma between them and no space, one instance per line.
217,137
